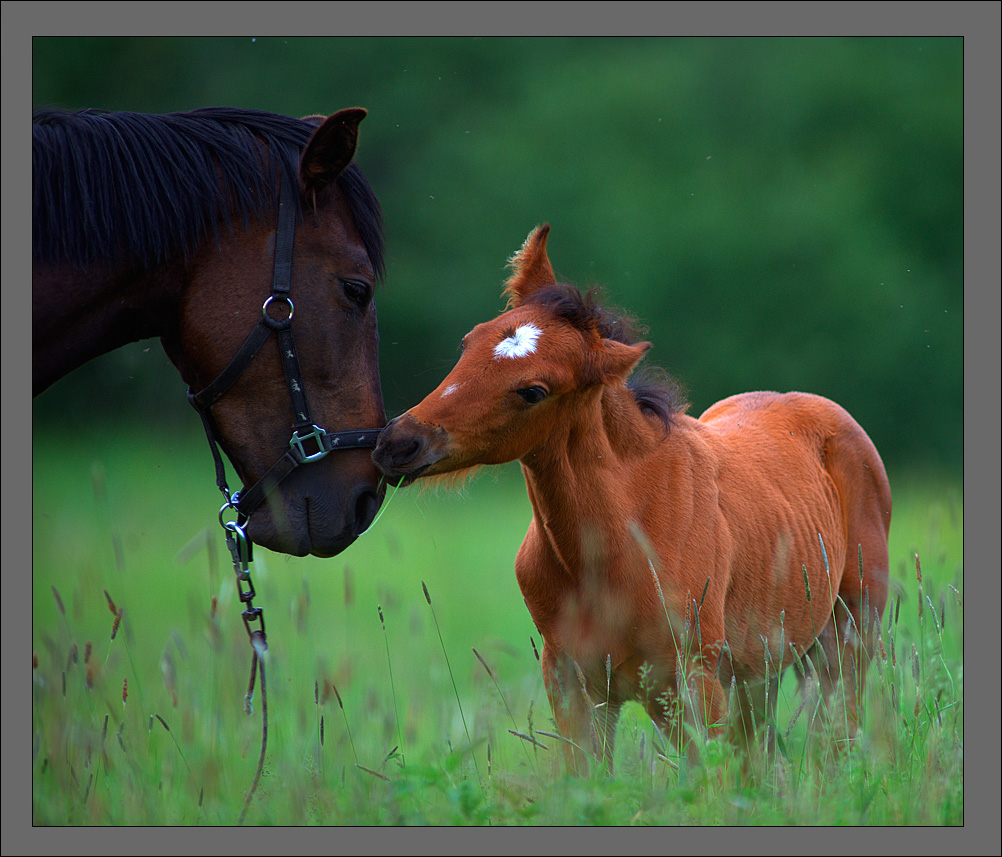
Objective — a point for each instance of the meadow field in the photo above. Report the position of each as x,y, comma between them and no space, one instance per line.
402,682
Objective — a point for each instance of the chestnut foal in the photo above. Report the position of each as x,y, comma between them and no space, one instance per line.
670,560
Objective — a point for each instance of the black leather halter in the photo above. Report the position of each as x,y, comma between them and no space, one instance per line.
309,442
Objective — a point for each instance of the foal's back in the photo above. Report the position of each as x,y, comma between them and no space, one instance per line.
786,440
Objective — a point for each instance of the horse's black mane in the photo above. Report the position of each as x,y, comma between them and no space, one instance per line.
654,390
154,186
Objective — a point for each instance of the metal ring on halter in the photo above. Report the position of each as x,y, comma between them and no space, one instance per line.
229,504
277,323
235,528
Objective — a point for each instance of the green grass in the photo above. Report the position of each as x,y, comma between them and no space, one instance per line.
423,733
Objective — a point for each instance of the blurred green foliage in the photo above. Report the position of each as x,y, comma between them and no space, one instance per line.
781,213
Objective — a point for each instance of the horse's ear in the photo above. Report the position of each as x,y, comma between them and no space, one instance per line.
330,150
530,268
614,361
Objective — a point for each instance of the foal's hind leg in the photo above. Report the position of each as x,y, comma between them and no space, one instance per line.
862,598
843,650
838,658
830,668
752,725
846,644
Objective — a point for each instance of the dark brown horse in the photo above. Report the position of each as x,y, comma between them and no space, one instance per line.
680,562
210,230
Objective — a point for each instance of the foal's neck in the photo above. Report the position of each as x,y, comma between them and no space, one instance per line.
581,479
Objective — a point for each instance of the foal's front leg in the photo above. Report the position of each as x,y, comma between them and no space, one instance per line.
690,706
592,730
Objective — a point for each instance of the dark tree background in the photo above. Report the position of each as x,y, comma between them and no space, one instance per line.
782,213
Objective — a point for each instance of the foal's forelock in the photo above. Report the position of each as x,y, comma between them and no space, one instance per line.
654,390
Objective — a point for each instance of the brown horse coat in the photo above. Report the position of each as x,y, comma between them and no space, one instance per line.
167,226
668,558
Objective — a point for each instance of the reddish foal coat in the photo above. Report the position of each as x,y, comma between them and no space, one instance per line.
728,509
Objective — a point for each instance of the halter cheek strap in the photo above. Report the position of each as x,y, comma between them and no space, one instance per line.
309,442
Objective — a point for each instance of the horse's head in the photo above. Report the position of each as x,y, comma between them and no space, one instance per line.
519,379
322,506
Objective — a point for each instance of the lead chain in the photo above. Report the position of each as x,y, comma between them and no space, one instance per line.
241,551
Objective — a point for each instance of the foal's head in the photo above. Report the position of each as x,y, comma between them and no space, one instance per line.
521,377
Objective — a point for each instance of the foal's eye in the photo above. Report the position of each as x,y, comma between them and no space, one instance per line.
532,395
357,292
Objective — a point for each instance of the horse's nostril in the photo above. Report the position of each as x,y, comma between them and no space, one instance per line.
366,505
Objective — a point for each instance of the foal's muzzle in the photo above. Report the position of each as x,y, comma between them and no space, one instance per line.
407,448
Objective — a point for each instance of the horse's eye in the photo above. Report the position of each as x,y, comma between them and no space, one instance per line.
357,292
532,395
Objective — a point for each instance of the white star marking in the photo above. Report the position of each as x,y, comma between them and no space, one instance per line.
520,344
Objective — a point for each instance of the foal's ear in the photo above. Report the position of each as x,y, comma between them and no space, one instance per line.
530,268
330,150
614,361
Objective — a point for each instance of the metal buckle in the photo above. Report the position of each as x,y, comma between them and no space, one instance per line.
296,442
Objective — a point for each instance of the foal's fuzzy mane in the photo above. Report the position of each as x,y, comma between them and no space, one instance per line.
155,186
653,389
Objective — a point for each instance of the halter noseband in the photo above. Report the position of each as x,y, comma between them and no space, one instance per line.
305,431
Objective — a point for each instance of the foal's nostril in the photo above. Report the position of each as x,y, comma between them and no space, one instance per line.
409,450
367,503
401,449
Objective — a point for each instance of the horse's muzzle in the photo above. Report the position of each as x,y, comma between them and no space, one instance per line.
318,522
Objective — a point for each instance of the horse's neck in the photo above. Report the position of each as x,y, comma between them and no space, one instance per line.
581,481
79,315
